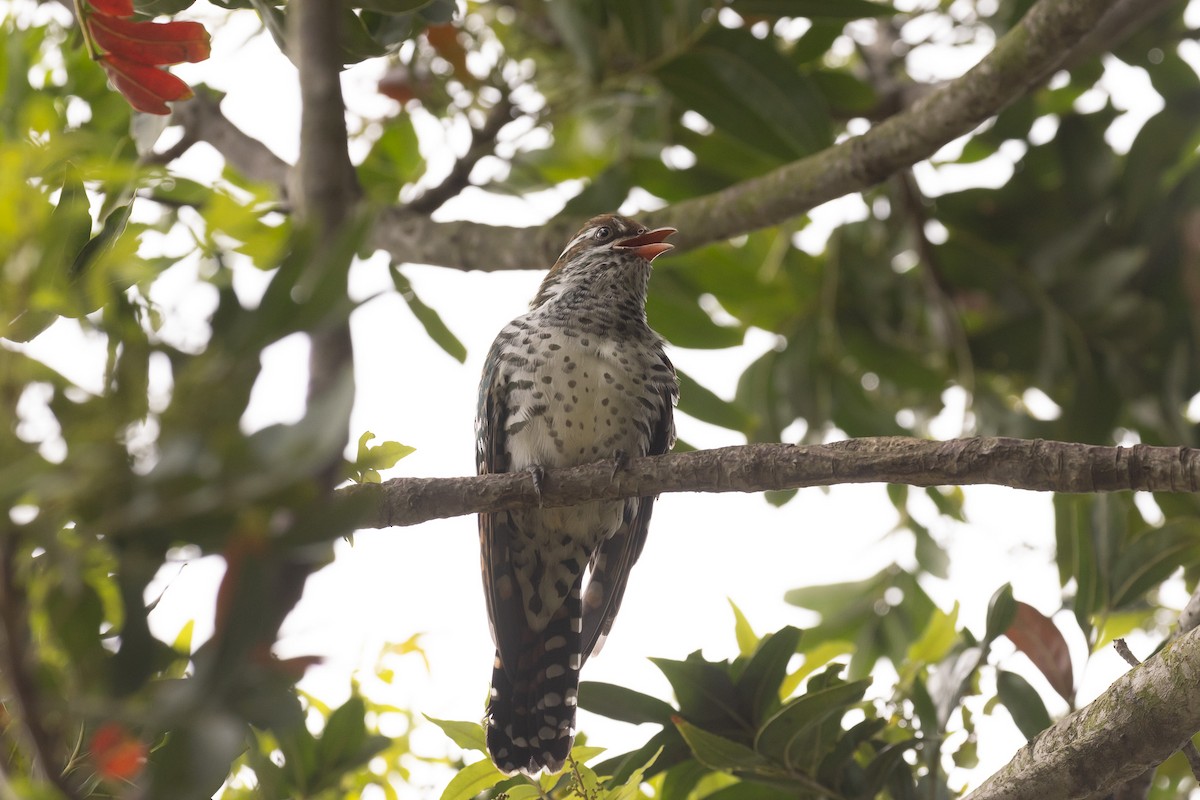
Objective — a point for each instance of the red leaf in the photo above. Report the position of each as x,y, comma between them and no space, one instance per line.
152,43
445,41
114,8
1035,635
146,88
117,754
395,84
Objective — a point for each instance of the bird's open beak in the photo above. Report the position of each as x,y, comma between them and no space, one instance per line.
648,245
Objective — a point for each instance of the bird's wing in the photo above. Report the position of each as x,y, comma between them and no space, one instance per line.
614,559
496,530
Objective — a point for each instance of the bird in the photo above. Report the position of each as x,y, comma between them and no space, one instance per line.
579,378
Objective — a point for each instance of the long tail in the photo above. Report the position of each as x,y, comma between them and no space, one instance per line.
530,718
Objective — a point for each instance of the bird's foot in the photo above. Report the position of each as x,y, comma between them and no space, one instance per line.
537,475
620,462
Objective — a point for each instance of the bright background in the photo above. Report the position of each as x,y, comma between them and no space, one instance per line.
704,549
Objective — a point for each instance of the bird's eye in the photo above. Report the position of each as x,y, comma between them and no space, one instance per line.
603,232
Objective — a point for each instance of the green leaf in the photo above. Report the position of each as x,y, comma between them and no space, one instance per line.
1002,609
371,459
703,404
932,557
467,735
71,222
704,690
674,311
473,779
104,241
344,735
815,657
950,679
949,501
747,639
780,497
764,674
883,615
780,732
717,752
393,161
619,702
1023,703
939,636
630,789
816,41
183,640
746,87
885,763
1151,558
429,319
1076,554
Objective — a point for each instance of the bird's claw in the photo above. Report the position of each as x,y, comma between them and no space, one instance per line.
537,475
620,462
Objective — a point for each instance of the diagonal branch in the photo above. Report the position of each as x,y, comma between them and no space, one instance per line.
1052,32
1021,60
202,121
1036,465
483,143
1145,716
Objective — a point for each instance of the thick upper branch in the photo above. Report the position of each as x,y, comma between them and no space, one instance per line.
1036,465
1023,58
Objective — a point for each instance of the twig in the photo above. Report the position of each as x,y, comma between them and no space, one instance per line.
483,142
1124,652
173,152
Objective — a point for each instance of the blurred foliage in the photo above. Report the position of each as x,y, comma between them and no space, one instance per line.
1072,280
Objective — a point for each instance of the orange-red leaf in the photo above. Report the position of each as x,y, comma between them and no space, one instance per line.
445,41
152,43
146,88
117,754
1036,635
114,8
396,85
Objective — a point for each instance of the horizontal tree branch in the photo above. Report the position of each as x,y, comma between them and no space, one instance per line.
1037,465
1144,717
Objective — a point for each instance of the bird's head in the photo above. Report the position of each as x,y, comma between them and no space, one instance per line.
612,234
608,249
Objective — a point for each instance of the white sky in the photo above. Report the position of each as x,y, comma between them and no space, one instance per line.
702,548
